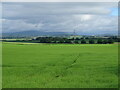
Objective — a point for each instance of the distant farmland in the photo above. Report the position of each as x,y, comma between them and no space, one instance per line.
60,65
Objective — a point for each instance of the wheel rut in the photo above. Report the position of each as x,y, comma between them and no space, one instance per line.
65,69
69,66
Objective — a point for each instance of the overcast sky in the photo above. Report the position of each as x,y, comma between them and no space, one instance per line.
60,17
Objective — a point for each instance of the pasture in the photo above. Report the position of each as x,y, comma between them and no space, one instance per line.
60,65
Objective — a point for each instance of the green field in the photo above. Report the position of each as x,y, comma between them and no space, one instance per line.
60,65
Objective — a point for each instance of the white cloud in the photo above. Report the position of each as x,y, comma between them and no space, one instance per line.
83,18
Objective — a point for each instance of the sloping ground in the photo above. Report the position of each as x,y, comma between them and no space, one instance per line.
60,66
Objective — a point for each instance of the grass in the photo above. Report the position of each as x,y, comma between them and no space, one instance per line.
60,65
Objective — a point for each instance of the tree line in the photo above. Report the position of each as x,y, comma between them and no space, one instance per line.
84,40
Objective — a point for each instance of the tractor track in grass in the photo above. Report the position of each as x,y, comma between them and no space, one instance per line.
65,69
69,66
74,62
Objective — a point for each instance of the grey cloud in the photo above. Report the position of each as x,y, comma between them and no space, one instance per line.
27,10
19,25
59,17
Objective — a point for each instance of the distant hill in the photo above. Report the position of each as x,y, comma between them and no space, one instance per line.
33,34
39,33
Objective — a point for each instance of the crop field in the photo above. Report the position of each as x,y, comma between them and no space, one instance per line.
60,65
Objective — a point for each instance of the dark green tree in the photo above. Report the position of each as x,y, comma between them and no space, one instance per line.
67,41
99,41
110,41
76,42
83,41
105,41
91,42
77,38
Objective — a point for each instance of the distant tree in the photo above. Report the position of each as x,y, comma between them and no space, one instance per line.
72,39
91,42
105,41
42,40
118,40
67,41
83,41
61,41
38,38
76,42
82,38
87,38
77,38
110,41
99,41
